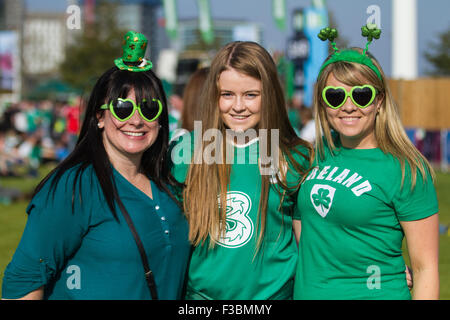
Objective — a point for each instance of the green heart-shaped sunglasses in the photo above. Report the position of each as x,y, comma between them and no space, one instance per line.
123,109
362,96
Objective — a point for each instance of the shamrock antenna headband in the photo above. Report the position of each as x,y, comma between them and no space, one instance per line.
134,46
370,31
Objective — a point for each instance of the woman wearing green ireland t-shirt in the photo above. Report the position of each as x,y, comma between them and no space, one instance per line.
245,248
369,187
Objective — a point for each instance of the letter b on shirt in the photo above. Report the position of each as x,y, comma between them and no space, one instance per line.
74,280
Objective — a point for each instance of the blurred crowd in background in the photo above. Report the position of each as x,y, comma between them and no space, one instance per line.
35,132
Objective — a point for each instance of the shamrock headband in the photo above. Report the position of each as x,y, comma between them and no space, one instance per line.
134,46
369,31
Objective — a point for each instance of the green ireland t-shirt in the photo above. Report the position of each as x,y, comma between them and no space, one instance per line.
351,205
232,269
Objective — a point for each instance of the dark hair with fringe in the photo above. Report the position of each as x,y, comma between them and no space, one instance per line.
89,149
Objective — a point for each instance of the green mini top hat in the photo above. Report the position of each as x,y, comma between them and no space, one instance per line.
134,46
370,31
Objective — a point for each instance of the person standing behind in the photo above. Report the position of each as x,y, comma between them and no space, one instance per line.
104,224
192,109
245,248
369,188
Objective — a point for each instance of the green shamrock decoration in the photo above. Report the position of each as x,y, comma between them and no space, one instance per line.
370,31
328,34
321,198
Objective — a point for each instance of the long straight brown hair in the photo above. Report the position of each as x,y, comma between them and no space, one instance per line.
207,184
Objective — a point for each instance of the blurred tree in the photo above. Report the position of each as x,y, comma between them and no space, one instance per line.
439,56
94,49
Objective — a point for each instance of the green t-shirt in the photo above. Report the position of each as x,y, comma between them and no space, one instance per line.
351,205
233,269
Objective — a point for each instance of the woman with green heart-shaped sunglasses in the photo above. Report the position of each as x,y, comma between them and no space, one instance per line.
362,96
110,205
123,109
368,189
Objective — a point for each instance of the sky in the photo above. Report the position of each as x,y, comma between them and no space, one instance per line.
350,15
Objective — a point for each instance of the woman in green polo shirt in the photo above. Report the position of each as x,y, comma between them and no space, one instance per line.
245,248
104,224
369,187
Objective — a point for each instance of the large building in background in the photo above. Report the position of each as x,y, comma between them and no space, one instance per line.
12,13
44,41
183,55
138,15
225,31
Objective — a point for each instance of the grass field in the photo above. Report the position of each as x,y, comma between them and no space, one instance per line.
13,219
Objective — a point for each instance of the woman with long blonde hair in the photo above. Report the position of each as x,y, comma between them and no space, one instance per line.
244,249
368,189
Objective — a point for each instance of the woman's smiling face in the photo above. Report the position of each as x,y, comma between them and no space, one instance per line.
127,138
356,126
240,100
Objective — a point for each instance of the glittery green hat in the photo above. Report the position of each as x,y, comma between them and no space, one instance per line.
134,46
370,31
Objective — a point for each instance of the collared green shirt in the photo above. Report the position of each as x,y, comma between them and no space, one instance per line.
87,254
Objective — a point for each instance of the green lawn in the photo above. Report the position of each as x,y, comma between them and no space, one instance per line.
13,219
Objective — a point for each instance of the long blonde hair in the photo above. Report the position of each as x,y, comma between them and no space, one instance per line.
205,183
389,132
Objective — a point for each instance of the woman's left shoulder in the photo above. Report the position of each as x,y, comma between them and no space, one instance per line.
302,153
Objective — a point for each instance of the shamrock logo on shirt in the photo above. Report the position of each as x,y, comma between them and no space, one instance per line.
321,198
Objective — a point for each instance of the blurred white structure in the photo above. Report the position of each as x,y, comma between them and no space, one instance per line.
44,41
167,64
404,39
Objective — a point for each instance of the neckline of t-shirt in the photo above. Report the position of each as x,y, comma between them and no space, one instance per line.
245,145
153,185
340,147
373,152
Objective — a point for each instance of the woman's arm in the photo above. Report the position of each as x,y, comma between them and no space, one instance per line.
37,294
297,226
422,238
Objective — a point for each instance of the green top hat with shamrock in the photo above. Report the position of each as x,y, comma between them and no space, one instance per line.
369,31
134,46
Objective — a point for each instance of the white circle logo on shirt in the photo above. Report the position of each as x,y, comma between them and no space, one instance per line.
239,227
